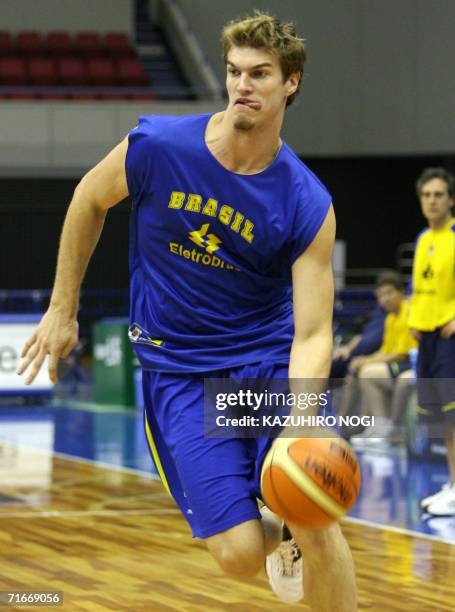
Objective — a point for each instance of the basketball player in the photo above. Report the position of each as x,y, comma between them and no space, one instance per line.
231,242
432,318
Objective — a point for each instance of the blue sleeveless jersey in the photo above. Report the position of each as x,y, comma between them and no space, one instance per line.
211,250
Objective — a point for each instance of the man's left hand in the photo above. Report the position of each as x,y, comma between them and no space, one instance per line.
448,329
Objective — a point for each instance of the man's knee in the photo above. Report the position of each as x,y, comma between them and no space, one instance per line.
374,370
366,371
239,551
238,562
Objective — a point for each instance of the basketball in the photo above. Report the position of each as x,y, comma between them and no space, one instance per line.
310,482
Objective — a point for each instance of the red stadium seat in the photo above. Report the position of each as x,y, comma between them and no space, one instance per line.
131,73
115,96
117,45
6,45
84,96
71,72
12,72
59,44
30,44
25,95
146,97
101,72
54,96
41,72
88,44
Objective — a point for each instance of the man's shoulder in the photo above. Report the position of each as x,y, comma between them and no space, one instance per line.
304,177
171,119
160,126
422,234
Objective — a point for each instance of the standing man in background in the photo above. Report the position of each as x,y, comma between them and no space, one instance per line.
432,320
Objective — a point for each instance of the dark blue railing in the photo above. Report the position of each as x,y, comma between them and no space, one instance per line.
352,305
95,304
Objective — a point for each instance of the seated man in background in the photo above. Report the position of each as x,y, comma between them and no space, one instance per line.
374,375
365,343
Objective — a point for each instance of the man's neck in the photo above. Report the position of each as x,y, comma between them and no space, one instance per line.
398,309
242,151
439,223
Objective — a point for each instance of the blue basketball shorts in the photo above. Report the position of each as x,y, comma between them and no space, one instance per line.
436,378
215,482
398,367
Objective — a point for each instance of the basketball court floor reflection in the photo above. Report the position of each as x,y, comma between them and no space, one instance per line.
81,511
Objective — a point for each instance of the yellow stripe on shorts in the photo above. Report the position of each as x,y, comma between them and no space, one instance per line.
156,457
421,410
448,407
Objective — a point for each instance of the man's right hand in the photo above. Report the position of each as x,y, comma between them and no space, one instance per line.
342,352
56,336
415,334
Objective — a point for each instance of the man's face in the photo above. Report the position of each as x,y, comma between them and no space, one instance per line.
389,298
255,87
435,200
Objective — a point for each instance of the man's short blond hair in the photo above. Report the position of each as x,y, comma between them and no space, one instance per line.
262,31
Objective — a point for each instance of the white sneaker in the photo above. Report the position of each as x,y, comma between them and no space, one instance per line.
397,436
375,443
359,439
443,526
284,569
376,434
444,505
427,501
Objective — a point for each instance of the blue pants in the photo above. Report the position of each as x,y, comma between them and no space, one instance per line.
436,378
215,482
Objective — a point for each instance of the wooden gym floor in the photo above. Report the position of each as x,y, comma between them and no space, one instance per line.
112,540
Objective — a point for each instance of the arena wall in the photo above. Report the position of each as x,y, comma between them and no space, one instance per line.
70,15
379,78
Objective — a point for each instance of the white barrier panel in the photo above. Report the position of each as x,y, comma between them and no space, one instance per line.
12,339
66,139
20,467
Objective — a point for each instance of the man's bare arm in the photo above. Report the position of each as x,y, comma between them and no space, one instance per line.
362,360
100,189
313,292
313,289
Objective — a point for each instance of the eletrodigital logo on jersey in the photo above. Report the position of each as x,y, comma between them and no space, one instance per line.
209,243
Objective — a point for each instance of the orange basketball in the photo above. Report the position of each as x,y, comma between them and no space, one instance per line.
310,481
